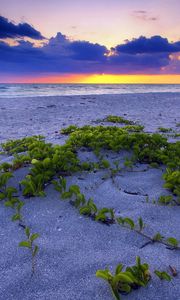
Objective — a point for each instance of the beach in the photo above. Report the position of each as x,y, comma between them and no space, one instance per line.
73,247
47,115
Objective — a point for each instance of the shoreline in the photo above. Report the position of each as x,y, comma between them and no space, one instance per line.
90,95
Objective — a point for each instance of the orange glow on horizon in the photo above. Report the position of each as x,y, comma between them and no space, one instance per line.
100,79
133,79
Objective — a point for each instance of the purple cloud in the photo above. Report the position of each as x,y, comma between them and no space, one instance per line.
62,55
155,44
11,30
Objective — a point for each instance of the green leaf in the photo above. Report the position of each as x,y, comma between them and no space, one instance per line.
173,242
138,261
27,231
9,204
74,189
130,222
104,274
157,237
16,217
122,277
25,244
20,205
119,268
125,288
85,210
36,248
120,220
163,275
92,205
66,195
2,196
34,236
141,224
34,161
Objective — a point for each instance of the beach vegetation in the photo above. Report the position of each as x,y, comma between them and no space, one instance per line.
20,145
172,178
68,129
118,119
29,244
124,282
163,275
165,199
5,167
134,128
50,164
163,129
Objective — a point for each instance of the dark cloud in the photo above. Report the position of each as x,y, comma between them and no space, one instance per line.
76,50
11,30
63,55
59,55
155,44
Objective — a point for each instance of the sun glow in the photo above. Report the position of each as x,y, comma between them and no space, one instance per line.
96,79
132,79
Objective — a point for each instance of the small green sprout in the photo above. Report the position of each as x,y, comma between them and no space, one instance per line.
123,282
29,243
163,275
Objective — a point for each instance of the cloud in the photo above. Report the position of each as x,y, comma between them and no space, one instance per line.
11,30
59,55
62,55
143,15
155,44
77,50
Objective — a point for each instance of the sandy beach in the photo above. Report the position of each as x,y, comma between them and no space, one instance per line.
73,247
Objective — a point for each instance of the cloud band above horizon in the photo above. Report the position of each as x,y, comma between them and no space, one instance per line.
154,55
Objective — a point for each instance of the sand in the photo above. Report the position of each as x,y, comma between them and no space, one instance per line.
73,247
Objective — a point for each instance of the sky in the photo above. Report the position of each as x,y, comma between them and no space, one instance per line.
90,41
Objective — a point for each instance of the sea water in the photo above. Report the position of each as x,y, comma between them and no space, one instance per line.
34,90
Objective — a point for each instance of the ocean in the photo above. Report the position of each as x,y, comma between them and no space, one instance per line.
35,90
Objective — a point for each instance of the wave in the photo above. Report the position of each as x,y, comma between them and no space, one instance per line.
35,90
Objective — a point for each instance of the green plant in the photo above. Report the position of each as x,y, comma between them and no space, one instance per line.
173,242
162,129
29,243
104,163
165,199
20,161
89,208
117,119
105,215
125,281
61,185
157,237
20,145
68,129
16,204
33,186
172,178
128,163
6,192
163,275
140,272
6,167
134,128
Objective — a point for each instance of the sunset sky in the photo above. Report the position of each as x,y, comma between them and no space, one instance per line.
102,41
